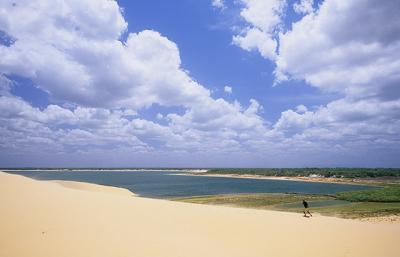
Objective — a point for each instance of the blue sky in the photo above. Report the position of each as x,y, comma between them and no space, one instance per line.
206,49
247,83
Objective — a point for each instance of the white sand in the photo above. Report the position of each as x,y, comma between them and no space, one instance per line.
45,219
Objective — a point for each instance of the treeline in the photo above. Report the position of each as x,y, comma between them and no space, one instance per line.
324,172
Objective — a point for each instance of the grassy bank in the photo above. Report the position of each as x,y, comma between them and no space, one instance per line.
357,204
360,210
252,200
389,194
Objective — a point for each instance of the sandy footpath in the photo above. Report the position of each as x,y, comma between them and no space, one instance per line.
49,219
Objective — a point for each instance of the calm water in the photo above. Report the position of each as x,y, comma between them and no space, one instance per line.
162,184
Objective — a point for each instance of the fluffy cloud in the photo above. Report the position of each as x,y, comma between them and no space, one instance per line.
364,121
256,39
220,4
341,57
264,18
105,82
324,48
94,68
61,130
263,14
327,50
228,89
5,85
303,6
359,62
100,78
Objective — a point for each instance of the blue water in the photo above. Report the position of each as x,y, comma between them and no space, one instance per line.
163,184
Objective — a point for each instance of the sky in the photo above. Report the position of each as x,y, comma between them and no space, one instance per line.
189,83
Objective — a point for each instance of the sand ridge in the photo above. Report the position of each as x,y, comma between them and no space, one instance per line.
43,218
93,187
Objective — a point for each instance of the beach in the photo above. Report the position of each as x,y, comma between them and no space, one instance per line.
53,218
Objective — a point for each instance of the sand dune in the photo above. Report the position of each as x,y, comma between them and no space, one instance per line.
45,219
93,187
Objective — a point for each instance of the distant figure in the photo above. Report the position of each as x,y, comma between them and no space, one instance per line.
306,211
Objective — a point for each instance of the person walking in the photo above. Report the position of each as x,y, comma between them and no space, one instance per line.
306,211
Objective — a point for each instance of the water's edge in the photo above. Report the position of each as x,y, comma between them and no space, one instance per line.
160,184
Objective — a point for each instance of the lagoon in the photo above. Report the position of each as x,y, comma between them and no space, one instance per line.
169,184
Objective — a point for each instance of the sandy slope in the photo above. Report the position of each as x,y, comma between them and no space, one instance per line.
44,219
93,187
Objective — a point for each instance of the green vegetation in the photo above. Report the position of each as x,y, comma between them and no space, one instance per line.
360,210
252,200
324,172
350,210
356,204
388,194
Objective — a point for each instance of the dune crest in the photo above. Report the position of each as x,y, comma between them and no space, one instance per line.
94,187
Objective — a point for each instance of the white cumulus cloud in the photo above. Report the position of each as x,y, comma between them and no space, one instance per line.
264,18
73,51
100,78
228,89
329,51
303,6
220,4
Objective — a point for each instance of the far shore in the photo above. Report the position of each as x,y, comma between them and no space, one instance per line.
103,169
318,179
205,172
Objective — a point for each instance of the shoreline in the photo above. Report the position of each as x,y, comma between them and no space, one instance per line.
348,181
196,171
100,170
204,172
